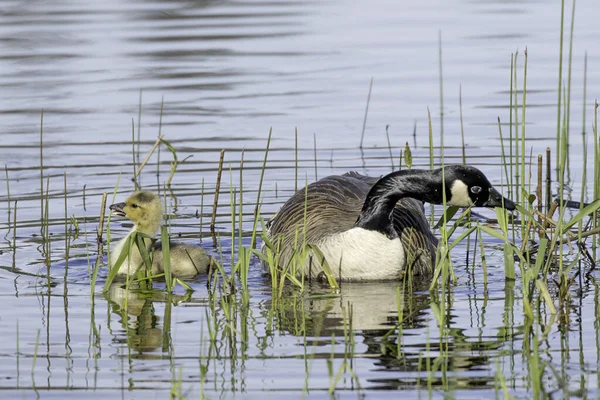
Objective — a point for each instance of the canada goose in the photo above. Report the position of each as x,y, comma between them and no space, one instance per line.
144,209
370,303
372,229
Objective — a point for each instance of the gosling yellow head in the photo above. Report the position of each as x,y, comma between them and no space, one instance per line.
144,209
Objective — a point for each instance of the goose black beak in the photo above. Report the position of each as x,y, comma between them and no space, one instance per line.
497,200
117,209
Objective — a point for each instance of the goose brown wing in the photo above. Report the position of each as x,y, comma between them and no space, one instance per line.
370,180
333,205
419,242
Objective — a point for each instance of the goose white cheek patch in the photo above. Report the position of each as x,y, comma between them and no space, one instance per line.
460,195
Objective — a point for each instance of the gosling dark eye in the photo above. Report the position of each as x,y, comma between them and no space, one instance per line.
475,189
136,206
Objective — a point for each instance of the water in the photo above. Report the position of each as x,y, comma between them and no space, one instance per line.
223,74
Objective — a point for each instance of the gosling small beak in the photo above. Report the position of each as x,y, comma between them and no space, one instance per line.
117,209
497,200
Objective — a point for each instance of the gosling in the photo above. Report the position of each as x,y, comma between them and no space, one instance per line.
145,210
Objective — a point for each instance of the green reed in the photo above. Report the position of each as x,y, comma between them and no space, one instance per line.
583,186
560,79
462,127
507,175
400,305
203,366
484,261
515,137
295,159
510,129
216,199
269,256
244,259
14,246
500,382
241,206
523,113
160,132
201,213
135,240
35,354
441,83
563,123
362,136
346,365
400,158
18,354
166,254
315,155
387,135
139,128
176,391
46,228
243,264
67,235
431,159
112,273
260,184
133,154
570,69
167,317
233,214
7,198
443,266
584,143
42,169
596,174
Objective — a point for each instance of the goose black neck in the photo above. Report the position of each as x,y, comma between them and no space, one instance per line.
377,210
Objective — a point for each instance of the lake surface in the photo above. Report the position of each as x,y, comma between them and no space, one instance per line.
214,75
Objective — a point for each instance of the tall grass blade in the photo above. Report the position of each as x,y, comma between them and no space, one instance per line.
584,212
166,254
362,136
560,78
260,183
441,87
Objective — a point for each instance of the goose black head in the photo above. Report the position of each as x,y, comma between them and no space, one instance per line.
467,186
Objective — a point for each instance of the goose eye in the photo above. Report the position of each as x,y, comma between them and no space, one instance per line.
475,189
135,205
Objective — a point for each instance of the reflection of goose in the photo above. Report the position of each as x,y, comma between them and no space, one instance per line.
369,229
317,314
144,209
373,307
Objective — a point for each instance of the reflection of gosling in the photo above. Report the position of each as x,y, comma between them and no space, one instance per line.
144,209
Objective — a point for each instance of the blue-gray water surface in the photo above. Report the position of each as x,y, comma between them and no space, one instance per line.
88,76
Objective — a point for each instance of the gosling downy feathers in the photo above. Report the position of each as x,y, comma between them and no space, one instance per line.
144,209
373,229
